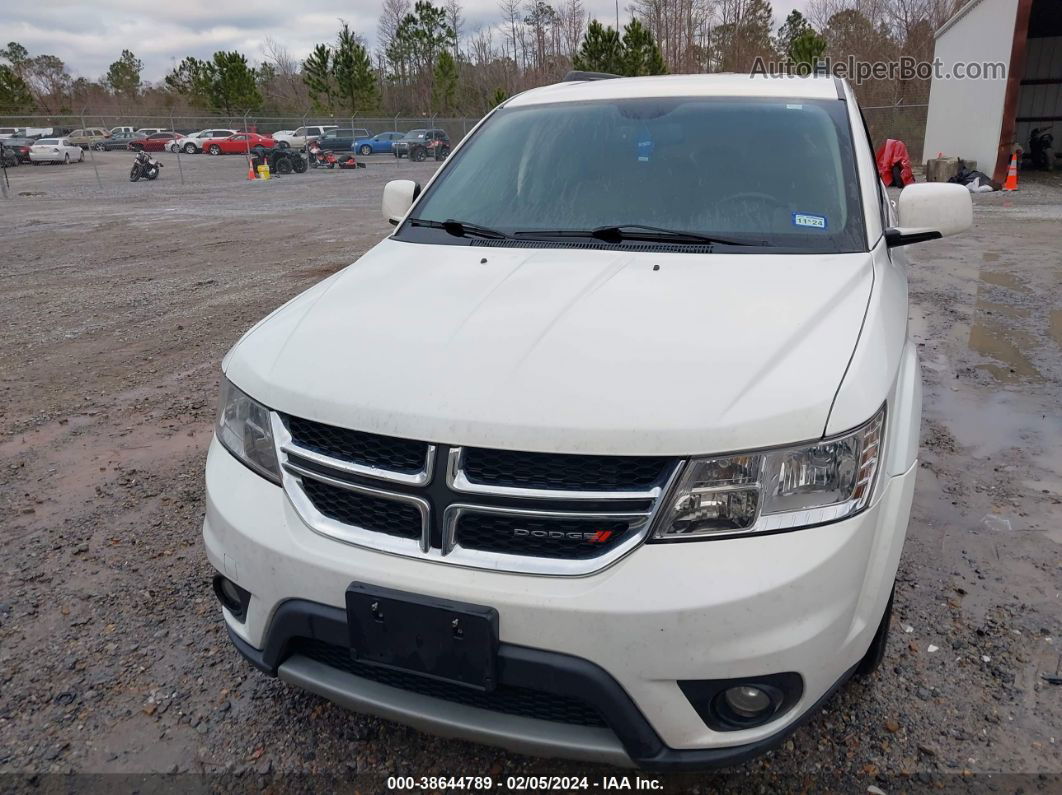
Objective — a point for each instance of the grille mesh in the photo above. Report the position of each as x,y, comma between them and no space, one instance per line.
359,447
564,472
505,699
372,513
539,538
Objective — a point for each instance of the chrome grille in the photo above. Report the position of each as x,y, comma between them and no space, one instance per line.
531,513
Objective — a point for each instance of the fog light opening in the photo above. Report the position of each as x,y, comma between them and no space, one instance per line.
232,597
748,704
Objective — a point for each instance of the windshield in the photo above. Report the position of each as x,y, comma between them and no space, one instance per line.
773,173
416,134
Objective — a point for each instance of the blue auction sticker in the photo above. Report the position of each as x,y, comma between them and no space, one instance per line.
809,221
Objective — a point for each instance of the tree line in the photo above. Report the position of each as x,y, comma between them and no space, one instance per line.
427,61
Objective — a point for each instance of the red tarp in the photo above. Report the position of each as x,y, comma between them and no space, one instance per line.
890,154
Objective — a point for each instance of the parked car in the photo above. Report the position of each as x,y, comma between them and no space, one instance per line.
8,132
193,142
421,144
87,136
667,541
301,136
381,143
19,145
155,142
274,135
55,150
237,144
41,132
151,130
340,138
115,130
118,140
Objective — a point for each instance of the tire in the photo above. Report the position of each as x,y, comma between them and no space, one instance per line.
215,149
283,145
66,159
152,173
189,149
298,165
330,165
365,150
313,164
81,158
134,172
100,147
418,155
442,153
283,165
876,653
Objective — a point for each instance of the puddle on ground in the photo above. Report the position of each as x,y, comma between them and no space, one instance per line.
1002,279
1054,327
989,425
993,334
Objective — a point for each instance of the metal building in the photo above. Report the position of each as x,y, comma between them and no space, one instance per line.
982,118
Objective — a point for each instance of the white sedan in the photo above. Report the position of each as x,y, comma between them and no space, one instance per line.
55,150
193,142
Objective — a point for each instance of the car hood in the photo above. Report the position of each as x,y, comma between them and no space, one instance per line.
566,350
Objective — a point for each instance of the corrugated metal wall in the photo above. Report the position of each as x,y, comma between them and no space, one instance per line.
1043,62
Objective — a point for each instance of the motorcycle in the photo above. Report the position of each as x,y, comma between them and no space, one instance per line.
145,166
326,158
321,158
1041,148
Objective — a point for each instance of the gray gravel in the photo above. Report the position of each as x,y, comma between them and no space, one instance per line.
117,308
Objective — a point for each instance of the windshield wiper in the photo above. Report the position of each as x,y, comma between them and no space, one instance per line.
658,233
460,228
621,232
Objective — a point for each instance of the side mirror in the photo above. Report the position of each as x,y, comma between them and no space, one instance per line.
929,211
398,196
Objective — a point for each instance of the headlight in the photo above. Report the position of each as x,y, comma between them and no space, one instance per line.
245,431
775,489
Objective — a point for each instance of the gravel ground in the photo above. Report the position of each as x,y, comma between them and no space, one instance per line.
117,306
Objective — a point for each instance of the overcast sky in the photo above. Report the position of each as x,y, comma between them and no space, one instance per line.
89,35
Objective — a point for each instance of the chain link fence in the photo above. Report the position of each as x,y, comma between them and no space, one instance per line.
905,123
456,127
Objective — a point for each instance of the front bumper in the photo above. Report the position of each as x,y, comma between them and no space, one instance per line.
807,601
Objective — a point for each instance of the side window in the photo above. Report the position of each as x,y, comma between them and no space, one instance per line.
299,132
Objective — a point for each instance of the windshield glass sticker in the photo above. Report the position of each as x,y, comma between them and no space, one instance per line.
810,221
645,145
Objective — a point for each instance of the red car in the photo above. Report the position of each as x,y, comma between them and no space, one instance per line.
156,142
237,144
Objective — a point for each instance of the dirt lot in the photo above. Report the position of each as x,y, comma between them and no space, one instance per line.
117,306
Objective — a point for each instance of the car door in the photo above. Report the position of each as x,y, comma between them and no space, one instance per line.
235,143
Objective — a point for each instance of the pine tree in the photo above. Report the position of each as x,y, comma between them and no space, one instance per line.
189,79
806,50
231,83
352,72
444,84
600,50
15,95
641,56
317,74
123,76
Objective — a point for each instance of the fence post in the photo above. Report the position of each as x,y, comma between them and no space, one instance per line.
92,156
180,168
247,140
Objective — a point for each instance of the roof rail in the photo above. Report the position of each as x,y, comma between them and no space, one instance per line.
576,76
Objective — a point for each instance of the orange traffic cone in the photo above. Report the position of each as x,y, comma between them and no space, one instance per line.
250,170
1012,174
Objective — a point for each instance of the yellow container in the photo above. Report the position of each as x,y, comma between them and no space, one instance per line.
263,171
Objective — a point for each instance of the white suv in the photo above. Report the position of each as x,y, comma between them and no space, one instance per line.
302,136
193,142
608,450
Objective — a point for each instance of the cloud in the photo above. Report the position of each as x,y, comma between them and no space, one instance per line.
89,36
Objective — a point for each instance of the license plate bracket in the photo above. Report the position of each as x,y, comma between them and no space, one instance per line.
436,638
